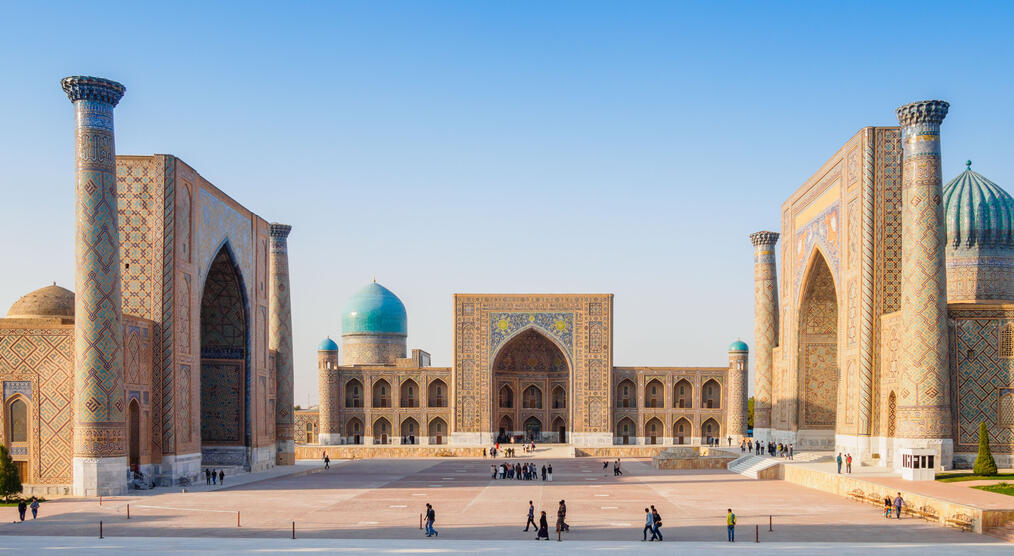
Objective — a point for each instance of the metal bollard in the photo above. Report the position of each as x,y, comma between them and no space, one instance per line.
770,524
100,530
128,511
293,530
237,519
100,500
420,521
756,533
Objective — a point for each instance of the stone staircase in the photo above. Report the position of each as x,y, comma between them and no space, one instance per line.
750,465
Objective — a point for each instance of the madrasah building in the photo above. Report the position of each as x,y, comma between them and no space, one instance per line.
890,327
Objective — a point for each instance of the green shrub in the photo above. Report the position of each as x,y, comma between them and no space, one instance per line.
984,463
10,481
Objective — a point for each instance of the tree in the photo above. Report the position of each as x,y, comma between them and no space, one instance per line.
984,463
749,412
10,480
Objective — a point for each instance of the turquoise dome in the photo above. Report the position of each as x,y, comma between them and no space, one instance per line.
327,344
738,345
374,310
977,212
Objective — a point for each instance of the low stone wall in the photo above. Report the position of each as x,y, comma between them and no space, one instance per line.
362,451
933,509
691,457
620,451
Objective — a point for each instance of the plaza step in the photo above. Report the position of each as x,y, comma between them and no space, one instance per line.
750,465
1004,533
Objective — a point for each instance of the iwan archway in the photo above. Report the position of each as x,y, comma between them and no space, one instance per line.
818,373
225,362
532,368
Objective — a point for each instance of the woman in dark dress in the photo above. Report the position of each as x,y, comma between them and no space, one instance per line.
543,532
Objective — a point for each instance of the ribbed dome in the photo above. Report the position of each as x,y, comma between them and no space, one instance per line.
738,345
977,212
374,310
50,301
327,344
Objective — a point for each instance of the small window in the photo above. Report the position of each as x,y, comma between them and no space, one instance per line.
1006,340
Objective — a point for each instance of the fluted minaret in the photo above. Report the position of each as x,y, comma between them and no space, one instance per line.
765,328
737,387
280,341
329,420
924,413
100,461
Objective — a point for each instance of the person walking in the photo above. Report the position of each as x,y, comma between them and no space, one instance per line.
327,461
561,518
887,507
531,517
431,516
214,476
848,463
605,468
730,522
35,507
898,503
657,517
492,470
543,472
839,460
22,508
790,451
221,476
619,470
543,531
649,525
207,475
549,473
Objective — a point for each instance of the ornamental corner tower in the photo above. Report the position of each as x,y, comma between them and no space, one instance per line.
765,328
923,403
99,412
280,341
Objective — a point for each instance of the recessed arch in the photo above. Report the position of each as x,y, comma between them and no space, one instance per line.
381,393
537,330
533,429
18,420
625,431
409,394
506,425
711,394
653,431
437,430
382,431
134,435
683,394
626,393
560,429
559,397
682,431
654,393
354,431
409,431
710,429
531,398
225,379
436,395
506,397
354,393
817,357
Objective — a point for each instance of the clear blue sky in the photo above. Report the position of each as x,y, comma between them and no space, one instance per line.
625,147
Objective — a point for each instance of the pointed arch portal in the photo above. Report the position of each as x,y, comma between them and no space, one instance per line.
533,366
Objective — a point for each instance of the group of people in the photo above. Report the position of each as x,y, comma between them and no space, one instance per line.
616,468
542,527
897,503
773,449
507,452
527,471
23,506
846,459
652,524
212,477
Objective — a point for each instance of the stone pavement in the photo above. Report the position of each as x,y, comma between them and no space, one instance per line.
383,499
190,545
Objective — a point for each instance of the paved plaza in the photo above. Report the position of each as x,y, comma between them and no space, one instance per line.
382,499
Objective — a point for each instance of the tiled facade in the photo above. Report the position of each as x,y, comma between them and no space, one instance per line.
527,366
165,363
869,358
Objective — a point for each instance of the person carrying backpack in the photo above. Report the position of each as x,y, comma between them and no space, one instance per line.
656,531
730,521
